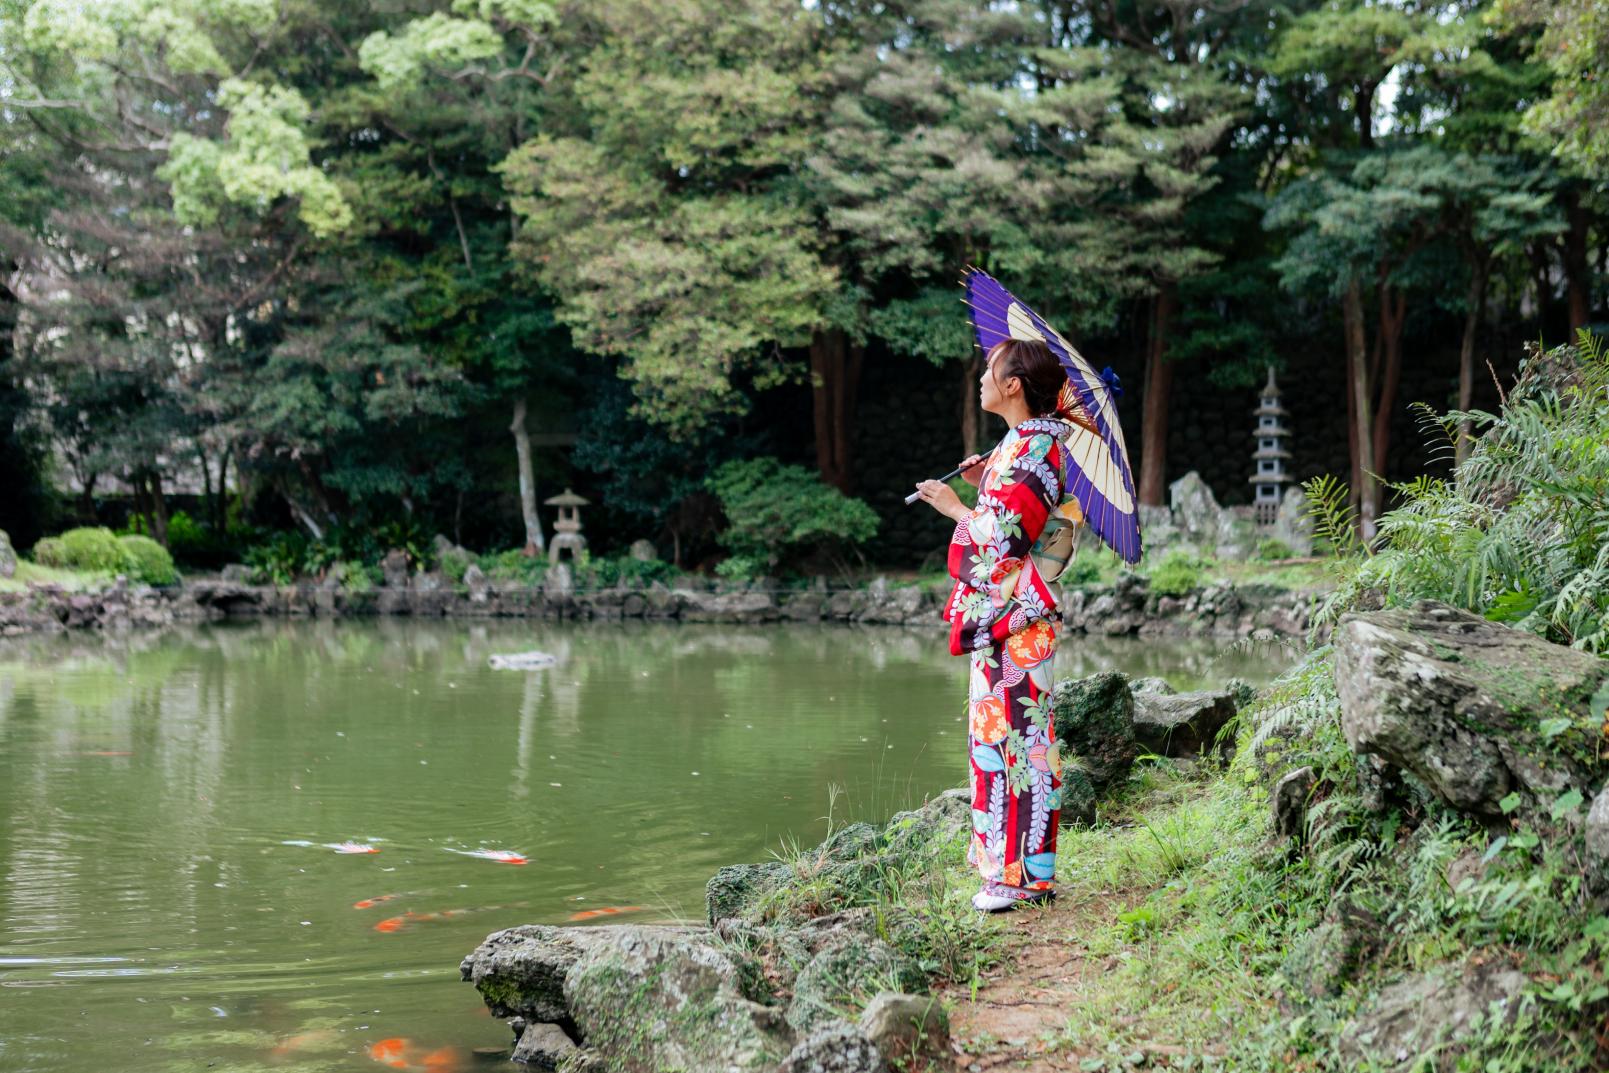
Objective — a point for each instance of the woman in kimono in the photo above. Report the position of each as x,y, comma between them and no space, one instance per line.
1002,614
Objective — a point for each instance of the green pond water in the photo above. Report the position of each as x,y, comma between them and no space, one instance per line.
169,895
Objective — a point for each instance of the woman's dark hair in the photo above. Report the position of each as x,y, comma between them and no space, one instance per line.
1036,366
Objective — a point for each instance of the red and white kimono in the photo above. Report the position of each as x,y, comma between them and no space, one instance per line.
1002,613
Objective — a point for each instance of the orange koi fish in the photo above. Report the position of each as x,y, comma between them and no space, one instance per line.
593,914
404,1054
397,923
321,1039
370,903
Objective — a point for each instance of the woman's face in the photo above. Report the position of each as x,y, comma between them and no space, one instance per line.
991,392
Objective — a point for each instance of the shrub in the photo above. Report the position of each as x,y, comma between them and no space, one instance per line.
50,551
1080,571
151,562
278,559
775,512
353,576
607,572
514,565
1269,550
1178,573
85,549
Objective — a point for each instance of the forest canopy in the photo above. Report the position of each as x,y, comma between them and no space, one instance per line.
328,266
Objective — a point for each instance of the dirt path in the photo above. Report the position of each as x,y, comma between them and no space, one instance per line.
1017,1021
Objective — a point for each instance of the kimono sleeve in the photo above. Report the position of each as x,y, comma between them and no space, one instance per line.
989,545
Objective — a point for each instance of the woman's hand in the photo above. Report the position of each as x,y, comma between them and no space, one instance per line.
942,498
972,469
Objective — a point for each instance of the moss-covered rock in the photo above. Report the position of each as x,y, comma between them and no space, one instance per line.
1094,719
1475,710
844,975
737,888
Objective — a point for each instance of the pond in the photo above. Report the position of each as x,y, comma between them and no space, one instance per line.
265,846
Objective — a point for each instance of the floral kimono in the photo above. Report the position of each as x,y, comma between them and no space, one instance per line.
1002,613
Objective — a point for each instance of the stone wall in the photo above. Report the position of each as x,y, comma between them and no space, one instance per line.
1128,607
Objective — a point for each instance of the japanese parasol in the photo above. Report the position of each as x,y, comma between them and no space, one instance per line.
1098,471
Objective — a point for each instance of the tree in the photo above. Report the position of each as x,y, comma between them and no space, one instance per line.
659,203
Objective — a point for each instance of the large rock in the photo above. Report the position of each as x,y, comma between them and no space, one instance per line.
1473,709
739,887
395,568
1293,526
1094,719
1430,1014
1597,841
1196,513
845,974
1181,724
8,556
646,998
835,1048
907,1028
543,1046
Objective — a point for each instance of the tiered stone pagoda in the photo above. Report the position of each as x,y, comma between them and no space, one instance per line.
1270,478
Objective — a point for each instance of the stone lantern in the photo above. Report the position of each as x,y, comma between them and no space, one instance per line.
567,530
1270,478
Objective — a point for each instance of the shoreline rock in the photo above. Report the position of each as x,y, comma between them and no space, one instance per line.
1127,607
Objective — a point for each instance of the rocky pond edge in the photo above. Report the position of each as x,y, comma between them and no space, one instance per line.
1127,606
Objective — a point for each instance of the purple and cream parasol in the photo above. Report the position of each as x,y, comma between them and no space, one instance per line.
1098,471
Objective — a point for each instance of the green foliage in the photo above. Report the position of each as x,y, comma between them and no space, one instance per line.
50,551
1521,534
1270,549
1178,573
279,559
774,512
85,549
514,565
149,561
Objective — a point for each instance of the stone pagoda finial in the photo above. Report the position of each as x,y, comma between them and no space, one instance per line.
1270,476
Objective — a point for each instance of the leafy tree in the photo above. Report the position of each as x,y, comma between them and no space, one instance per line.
775,512
659,204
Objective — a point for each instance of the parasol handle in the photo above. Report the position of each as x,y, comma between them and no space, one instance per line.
950,476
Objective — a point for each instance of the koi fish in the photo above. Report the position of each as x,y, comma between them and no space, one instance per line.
351,847
404,1054
501,856
402,920
370,903
321,1039
593,914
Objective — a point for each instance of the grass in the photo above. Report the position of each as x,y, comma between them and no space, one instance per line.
29,573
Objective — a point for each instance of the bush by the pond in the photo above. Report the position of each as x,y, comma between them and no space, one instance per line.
1178,573
776,512
151,562
99,550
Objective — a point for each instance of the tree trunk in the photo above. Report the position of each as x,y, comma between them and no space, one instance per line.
159,509
835,368
220,517
1466,354
1158,390
535,543
1577,273
86,498
1363,462
1393,310
971,408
